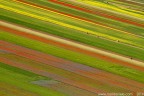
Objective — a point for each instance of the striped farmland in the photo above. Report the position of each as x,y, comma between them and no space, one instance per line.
72,48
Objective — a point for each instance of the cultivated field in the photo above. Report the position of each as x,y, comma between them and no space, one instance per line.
72,48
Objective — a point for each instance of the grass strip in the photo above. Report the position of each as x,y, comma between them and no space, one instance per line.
73,56
78,36
21,79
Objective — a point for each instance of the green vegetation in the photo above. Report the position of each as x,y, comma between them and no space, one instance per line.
77,36
102,20
115,26
61,72
21,79
81,26
73,56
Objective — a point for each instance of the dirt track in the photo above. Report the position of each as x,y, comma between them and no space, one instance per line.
73,74
82,70
73,46
50,75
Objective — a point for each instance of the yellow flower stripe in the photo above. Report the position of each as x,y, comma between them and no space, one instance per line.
64,24
110,7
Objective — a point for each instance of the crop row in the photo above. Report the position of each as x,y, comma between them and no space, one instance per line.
73,56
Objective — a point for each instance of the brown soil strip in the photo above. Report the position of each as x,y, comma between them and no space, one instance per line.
62,72
80,18
76,68
98,13
64,88
49,75
127,62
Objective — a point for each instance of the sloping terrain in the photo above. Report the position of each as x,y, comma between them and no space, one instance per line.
72,48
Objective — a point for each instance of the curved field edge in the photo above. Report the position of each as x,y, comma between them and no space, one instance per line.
73,56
